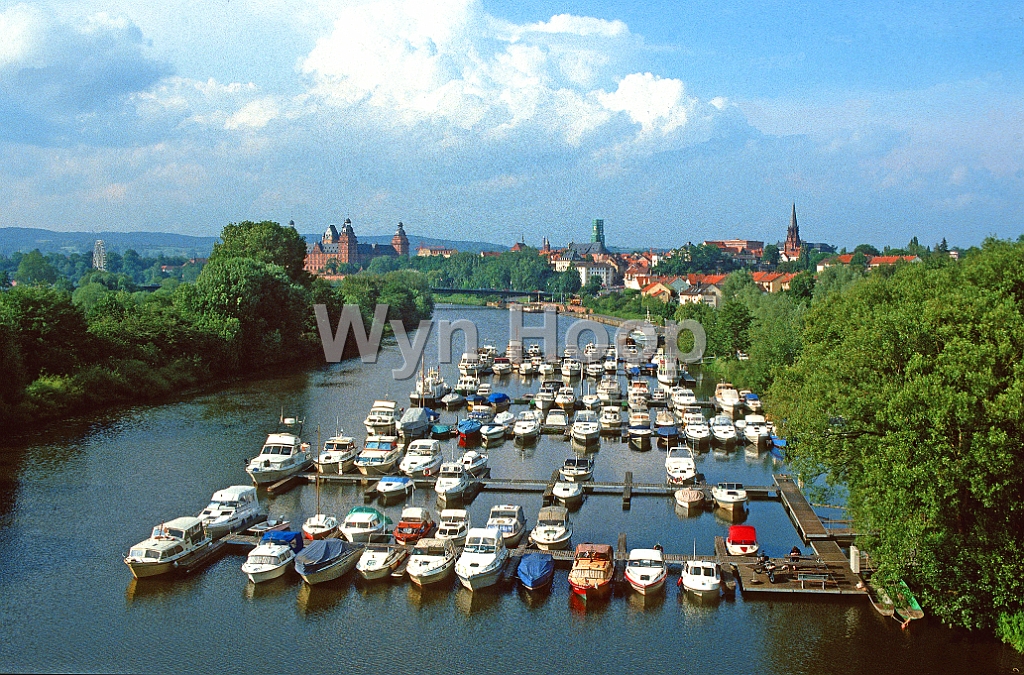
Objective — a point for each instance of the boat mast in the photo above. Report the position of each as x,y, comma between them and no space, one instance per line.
318,469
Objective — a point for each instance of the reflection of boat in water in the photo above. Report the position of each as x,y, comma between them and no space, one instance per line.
469,603
312,600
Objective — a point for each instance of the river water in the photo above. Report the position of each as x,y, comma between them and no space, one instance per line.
75,496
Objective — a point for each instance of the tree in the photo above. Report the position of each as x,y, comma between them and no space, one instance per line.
866,249
859,260
51,332
771,255
738,283
802,286
35,269
267,242
593,286
734,319
564,283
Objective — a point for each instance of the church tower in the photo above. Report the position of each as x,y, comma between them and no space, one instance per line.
400,242
793,243
348,245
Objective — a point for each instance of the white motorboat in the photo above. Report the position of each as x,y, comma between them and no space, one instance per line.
682,397
380,560
571,368
502,366
483,558
664,418
546,369
702,577
556,422
726,396
698,432
756,430
594,369
467,384
272,557
636,401
453,524
742,540
544,399
470,364
363,521
452,482
668,371
679,465
527,368
640,437
380,421
474,463
395,487
431,560
415,423
230,510
283,455
646,571
729,495
658,398
169,546
750,400
527,426
326,560
509,520
639,418
319,526
492,434
608,390
379,456
570,494
422,460
338,455
553,530
577,469
591,401
611,419
484,390
586,429
533,351
610,366
639,387
430,388
506,419
453,400
566,398
723,431
689,498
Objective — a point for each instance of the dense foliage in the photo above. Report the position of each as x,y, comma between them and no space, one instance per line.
909,391
106,342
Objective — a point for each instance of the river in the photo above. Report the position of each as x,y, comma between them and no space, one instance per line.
75,496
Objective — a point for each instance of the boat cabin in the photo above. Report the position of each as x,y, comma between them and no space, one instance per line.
483,540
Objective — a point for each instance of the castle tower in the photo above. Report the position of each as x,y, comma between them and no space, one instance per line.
597,237
400,242
546,246
348,245
793,243
330,235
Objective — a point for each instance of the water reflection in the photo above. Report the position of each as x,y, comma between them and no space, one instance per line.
274,588
483,601
321,598
651,602
730,516
421,597
159,589
588,607
534,599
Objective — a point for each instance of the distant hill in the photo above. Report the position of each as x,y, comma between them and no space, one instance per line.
147,244
416,240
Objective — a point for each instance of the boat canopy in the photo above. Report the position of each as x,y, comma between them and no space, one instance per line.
235,493
596,551
293,539
498,397
469,426
743,534
536,565
321,553
415,513
667,432
558,513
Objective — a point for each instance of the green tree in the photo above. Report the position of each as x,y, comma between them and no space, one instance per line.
35,269
771,255
565,283
866,249
265,241
859,260
51,332
802,286
734,319
593,286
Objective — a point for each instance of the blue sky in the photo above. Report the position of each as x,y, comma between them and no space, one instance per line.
475,119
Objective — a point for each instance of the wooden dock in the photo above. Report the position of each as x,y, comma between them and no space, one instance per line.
807,522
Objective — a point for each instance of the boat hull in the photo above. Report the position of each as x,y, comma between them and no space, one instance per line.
647,587
484,580
591,592
143,570
559,544
376,469
268,574
268,476
435,575
334,571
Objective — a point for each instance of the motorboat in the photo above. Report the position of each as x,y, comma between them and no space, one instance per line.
565,398
756,430
544,399
269,525
452,482
422,460
414,524
326,560
750,400
492,434
577,469
610,366
431,561
679,465
658,398
729,495
500,401
486,354
453,524
611,419
442,432
592,570
502,366
742,540
591,401
474,463
429,389
586,429
527,426
363,521
453,400
553,530
568,493
698,432
378,561
546,368
668,371
338,455
726,396
469,432
230,510
379,456
667,436
170,545
394,487
534,351
415,423
272,557
483,413
536,570
664,418
470,364
283,455
484,390
640,437
505,419
639,387
319,526
702,577
509,520
723,431
556,422
682,397
467,384
639,418
571,368
689,498
646,571
608,390
594,369
381,419
527,368
483,558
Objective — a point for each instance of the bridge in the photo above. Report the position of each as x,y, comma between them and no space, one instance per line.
533,295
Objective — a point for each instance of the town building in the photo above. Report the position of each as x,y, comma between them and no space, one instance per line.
428,251
871,261
344,248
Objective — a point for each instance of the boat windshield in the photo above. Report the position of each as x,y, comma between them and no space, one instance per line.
144,553
644,563
550,523
503,514
264,560
284,450
481,545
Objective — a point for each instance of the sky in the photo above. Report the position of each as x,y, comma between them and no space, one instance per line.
673,121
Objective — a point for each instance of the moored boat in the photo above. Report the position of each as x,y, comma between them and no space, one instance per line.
379,456
431,561
319,526
483,558
553,530
422,460
415,423
556,422
230,510
414,524
586,429
394,487
474,463
646,571
577,469
509,520
570,494
742,540
380,560
679,465
170,545
592,570
326,560
381,419
729,495
689,498
283,455
337,456
536,570
452,482
453,525
272,557
702,577
469,432
361,522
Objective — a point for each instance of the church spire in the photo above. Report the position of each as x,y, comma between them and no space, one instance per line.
793,243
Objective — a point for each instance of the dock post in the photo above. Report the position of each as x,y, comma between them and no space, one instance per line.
627,491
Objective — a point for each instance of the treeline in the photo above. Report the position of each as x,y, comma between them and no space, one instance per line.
67,271
250,308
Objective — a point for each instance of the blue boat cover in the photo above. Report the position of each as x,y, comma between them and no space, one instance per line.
469,426
293,539
536,569
432,415
667,431
634,370
320,554
498,397
473,399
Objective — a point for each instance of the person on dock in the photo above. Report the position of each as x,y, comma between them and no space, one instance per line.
794,555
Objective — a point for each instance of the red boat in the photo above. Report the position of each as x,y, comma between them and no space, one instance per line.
742,540
592,570
415,524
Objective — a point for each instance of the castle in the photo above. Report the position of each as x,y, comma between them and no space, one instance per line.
344,247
